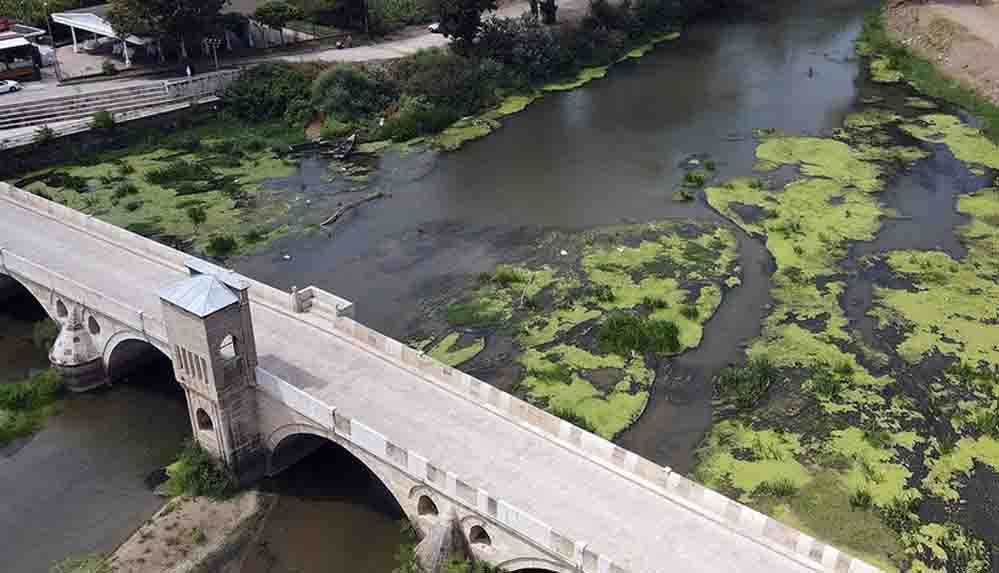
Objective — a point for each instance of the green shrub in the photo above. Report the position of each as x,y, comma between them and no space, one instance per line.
694,179
445,80
350,93
265,92
124,189
655,303
986,423
334,128
44,134
388,15
827,383
506,275
221,246
25,405
574,419
178,171
690,312
626,333
44,333
782,488
861,499
747,385
299,112
196,473
108,68
525,45
416,118
102,120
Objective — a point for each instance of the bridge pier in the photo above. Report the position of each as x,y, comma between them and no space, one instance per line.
75,356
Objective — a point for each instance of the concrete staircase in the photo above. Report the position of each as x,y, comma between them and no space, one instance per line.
66,108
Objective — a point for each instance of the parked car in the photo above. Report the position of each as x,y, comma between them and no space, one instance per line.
9,86
435,28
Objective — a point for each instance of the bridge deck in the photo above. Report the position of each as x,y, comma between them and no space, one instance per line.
639,529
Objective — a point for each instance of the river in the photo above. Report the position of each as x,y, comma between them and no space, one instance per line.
605,154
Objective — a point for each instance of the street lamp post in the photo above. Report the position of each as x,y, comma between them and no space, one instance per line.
55,52
213,45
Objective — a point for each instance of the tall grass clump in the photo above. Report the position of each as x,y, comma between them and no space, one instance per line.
25,405
626,333
196,473
747,385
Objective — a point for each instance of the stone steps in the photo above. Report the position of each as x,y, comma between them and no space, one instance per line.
82,106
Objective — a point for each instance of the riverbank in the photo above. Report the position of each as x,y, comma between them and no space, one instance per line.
945,50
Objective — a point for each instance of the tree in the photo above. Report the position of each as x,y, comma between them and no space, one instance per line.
34,12
183,22
461,19
276,14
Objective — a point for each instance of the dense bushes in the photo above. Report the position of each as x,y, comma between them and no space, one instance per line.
265,91
524,46
25,405
195,473
446,80
430,90
417,117
749,384
626,333
351,93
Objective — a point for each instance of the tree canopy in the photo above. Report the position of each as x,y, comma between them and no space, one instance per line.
185,22
461,19
276,14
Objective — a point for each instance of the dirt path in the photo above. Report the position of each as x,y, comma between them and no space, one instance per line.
962,39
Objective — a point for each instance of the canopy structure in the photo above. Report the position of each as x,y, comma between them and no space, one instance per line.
92,20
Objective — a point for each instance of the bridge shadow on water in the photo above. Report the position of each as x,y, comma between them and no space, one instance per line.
332,514
80,485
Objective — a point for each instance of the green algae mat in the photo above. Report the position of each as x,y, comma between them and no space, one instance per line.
202,191
879,443
589,318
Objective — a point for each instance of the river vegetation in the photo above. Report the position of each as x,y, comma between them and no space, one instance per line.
25,405
447,97
197,474
886,443
199,189
589,319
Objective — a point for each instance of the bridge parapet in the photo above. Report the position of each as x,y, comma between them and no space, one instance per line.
659,479
64,287
655,478
496,513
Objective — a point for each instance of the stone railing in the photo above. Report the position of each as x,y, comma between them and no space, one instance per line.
658,479
17,265
425,471
201,86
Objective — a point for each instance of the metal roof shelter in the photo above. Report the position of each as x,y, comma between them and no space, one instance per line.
92,20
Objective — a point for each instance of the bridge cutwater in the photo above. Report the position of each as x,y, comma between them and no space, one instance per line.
265,372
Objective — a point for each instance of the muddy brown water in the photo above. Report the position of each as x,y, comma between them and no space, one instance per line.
609,153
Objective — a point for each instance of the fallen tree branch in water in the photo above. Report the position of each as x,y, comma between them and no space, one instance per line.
344,208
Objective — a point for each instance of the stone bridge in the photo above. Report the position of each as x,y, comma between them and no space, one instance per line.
270,375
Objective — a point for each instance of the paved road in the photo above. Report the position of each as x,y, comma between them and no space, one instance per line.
637,528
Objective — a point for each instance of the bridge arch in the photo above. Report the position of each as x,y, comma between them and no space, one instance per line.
535,565
126,352
292,443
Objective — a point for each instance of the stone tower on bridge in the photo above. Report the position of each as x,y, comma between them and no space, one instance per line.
208,323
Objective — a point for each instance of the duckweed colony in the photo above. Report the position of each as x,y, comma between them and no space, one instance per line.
592,318
874,443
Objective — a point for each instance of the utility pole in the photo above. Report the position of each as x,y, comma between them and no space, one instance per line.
55,52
